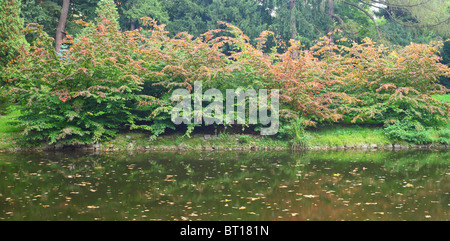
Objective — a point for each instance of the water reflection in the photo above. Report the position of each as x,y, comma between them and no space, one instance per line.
347,185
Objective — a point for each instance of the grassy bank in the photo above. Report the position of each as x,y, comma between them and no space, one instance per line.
348,136
329,136
195,142
332,137
8,132
442,98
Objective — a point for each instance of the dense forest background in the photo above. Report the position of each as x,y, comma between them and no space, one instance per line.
396,22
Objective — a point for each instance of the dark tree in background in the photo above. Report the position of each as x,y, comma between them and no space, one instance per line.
446,60
61,25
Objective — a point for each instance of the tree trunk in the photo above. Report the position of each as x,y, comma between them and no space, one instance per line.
133,24
331,14
293,22
61,25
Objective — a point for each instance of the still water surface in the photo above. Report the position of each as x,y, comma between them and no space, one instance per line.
340,185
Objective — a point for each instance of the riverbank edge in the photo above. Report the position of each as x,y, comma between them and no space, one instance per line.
105,147
331,138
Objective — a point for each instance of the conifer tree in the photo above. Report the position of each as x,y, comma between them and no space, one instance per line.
107,9
11,25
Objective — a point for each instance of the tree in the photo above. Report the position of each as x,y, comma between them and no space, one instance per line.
11,37
107,9
433,14
48,12
299,20
190,16
248,15
61,25
134,10
445,53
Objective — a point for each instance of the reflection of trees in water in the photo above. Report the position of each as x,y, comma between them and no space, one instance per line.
219,185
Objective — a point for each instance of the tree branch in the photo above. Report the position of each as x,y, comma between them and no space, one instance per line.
399,6
405,7
342,23
365,12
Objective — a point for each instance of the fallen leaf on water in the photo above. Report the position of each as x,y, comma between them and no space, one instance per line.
311,196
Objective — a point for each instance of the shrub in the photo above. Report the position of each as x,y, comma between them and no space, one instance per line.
87,94
412,132
295,130
444,136
393,85
108,80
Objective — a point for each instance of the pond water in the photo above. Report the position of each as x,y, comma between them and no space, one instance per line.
339,185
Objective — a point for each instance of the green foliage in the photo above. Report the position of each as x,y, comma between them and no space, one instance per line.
134,10
47,13
11,38
311,21
412,132
248,15
198,16
11,42
300,136
442,98
445,54
85,96
9,133
189,16
394,86
348,135
295,130
107,9
109,80
244,139
444,136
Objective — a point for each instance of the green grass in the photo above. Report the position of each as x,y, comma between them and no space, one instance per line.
326,136
348,136
8,132
195,142
442,98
